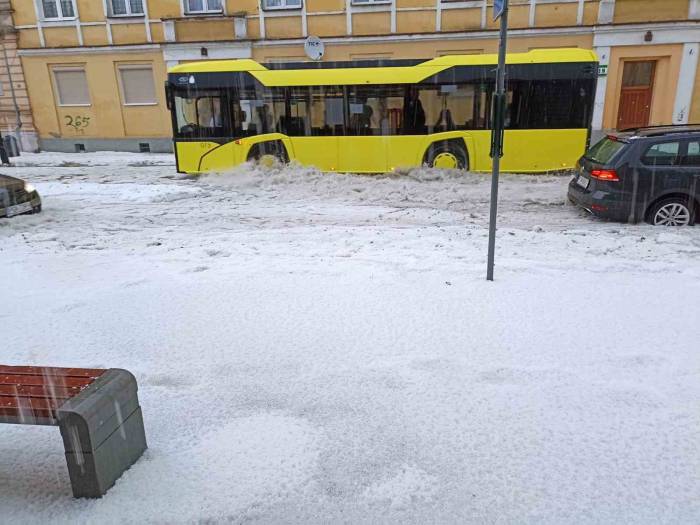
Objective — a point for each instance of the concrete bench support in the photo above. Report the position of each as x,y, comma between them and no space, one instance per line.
103,434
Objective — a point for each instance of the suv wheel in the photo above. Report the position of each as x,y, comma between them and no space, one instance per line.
675,211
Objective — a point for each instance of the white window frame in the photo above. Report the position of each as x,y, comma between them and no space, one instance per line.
206,11
57,91
60,17
121,67
283,7
128,14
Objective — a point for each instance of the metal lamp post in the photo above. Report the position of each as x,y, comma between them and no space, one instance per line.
500,9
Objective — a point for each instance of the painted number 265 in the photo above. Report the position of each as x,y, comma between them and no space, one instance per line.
77,122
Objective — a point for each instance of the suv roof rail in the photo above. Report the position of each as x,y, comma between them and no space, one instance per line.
663,129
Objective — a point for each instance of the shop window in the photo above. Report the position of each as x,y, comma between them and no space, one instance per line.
58,9
71,87
137,85
281,4
196,7
126,7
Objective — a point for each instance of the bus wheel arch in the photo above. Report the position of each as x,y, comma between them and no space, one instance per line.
447,154
268,151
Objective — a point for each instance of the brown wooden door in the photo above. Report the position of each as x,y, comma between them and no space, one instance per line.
635,95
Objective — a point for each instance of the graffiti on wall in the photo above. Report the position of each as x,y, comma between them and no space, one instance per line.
78,122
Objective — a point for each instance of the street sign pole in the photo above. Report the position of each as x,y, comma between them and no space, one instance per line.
500,8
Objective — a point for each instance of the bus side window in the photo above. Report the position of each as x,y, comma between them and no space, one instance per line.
450,107
209,112
238,118
256,119
376,110
554,103
294,121
326,111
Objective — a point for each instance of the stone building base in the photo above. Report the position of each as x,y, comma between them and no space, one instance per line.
134,145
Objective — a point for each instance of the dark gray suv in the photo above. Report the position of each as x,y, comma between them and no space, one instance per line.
650,174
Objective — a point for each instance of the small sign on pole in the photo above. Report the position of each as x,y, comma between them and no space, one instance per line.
498,8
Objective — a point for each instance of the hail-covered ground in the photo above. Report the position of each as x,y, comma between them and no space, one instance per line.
319,348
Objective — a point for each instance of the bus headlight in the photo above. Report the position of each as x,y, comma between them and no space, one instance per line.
29,188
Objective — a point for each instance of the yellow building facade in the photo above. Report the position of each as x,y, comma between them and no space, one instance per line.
95,69
16,123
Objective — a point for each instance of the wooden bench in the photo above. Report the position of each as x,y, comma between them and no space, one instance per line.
96,410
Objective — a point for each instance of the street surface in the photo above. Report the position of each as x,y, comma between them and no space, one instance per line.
324,348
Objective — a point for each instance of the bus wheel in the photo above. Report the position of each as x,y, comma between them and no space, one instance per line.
269,153
267,160
447,155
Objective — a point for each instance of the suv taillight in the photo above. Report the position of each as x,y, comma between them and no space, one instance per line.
608,175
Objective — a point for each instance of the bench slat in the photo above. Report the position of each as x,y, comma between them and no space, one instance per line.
29,380
27,407
51,371
57,392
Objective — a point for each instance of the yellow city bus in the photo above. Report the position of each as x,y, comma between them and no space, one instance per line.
383,116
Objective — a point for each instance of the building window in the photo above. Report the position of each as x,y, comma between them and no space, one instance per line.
126,7
137,85
71,86
58,9
196,7
282,4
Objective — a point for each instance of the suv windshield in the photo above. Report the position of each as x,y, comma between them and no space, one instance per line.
604,150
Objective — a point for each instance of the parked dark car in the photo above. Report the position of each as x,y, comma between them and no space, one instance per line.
650,174
17,197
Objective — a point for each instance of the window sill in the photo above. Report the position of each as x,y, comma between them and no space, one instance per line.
140,104
283,8
370,4
74,105
205,13
127,16
465,3
59,20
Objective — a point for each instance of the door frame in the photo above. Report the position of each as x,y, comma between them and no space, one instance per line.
668,62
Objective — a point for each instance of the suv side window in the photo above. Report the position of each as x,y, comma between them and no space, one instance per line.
692,158
662,154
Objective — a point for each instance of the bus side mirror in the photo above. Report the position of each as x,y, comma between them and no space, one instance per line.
168,96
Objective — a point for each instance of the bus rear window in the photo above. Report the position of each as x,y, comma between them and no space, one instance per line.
604,151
